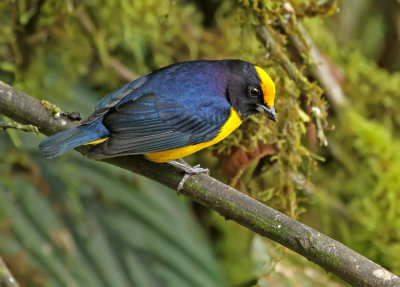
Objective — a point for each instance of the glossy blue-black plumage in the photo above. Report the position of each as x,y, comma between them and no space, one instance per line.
179,105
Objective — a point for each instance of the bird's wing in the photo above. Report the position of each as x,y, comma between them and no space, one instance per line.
113,98
147,124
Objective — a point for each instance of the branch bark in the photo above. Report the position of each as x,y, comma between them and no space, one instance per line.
230,203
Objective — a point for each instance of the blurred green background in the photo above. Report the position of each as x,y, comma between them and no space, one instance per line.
75,222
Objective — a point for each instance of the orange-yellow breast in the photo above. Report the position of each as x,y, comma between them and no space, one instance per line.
231,124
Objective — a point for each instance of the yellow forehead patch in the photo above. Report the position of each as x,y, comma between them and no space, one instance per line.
267,86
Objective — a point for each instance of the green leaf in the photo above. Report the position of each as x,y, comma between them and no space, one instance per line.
116,230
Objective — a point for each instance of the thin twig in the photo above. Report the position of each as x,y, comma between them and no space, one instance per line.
90,29
17,126
321,69
123,71
230,203
6,278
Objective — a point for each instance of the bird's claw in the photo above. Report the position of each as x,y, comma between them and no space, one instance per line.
182,183
197,170
191,171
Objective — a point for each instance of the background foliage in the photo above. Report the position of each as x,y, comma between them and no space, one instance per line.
74,222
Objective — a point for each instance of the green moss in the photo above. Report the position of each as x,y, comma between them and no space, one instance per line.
330,259
195,186
52,108
360,183
234,207
68,55
73,50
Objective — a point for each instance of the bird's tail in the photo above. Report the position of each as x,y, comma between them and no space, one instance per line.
66,140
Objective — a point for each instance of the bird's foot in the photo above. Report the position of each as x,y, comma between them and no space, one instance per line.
189,170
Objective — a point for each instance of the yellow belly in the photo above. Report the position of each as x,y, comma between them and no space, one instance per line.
232,124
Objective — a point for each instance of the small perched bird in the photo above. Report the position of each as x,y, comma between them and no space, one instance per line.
172,112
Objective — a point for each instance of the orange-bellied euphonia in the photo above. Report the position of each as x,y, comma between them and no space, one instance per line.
172,112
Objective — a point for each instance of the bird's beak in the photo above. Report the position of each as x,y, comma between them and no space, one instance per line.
267,111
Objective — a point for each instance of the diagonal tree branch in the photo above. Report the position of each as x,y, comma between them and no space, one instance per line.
230,203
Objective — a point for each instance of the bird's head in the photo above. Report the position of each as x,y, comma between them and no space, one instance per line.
251,90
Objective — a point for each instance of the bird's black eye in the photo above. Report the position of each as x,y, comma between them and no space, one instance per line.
254,92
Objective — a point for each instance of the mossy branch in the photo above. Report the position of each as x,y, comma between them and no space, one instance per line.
266,36
230,203
320,69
